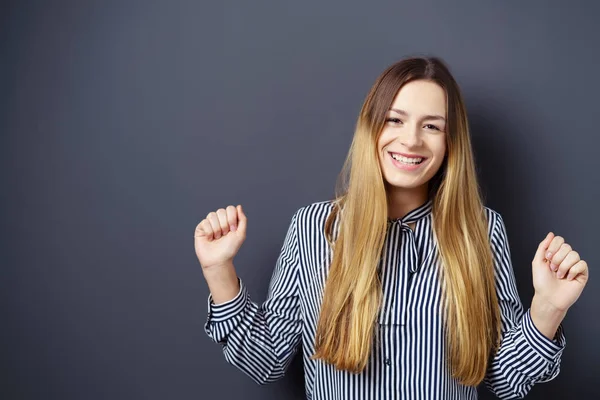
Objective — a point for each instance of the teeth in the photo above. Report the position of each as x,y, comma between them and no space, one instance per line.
406,160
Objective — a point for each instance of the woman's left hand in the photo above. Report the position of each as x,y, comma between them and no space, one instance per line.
559,274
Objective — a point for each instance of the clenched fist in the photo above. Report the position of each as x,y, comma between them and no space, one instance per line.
219,236
559,274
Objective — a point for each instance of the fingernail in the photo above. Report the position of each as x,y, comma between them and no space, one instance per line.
548,255
233,228
553,267
560,274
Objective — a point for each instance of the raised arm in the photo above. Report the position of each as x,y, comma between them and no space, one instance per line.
525,356
258,339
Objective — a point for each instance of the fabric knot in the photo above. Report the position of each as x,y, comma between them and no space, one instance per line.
409,250
413,216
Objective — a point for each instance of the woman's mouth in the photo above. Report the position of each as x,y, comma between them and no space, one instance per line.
406,163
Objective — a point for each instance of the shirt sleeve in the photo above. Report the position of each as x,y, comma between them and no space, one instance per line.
261,340
525,356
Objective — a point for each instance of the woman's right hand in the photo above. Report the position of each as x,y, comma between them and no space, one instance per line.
219,236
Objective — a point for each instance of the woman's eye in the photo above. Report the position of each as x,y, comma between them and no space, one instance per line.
430,126
394,120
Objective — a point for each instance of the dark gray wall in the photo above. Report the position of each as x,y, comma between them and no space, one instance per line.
123,123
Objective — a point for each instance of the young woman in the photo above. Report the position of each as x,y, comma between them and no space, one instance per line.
402,286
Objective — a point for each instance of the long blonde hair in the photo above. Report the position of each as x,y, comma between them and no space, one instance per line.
352,295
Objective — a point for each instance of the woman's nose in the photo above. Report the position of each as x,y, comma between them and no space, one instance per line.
412,137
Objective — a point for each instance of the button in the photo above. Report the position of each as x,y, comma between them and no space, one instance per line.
388,362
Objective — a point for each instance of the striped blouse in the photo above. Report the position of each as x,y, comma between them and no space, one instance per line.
408,359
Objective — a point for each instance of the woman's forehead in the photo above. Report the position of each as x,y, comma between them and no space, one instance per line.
420,98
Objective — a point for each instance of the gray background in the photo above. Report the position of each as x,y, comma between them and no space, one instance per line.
124,123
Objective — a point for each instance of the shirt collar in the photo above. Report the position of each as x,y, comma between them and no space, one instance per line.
415,215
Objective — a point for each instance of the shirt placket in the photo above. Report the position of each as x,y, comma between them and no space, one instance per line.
410,256
397,276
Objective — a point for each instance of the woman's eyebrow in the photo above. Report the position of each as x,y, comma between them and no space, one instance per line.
428,117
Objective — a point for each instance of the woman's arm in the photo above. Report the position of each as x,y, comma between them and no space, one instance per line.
261,340
525,356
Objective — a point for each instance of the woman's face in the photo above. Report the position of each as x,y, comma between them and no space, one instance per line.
412,145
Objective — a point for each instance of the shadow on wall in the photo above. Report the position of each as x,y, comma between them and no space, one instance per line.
296,375
506,184
507,188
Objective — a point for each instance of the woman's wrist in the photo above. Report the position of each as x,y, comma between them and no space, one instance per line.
223,282
546,317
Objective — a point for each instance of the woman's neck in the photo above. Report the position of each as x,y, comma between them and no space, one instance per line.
402,201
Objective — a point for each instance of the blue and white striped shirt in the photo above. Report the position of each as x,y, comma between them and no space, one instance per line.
408,360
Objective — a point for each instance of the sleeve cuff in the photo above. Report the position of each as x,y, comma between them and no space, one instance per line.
224,311
549,349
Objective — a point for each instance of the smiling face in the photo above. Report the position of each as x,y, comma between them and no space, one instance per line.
412,144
